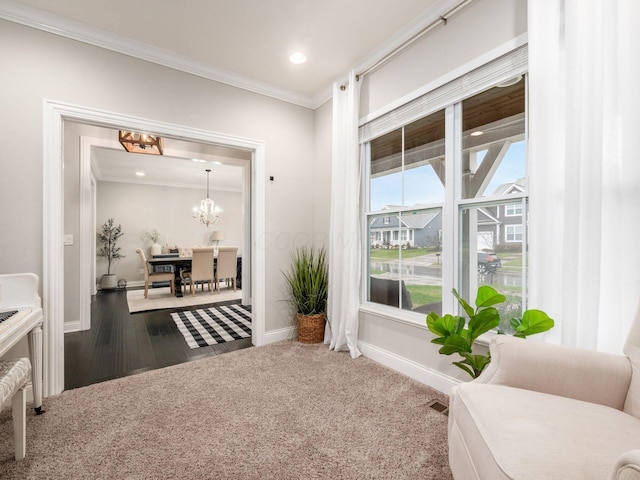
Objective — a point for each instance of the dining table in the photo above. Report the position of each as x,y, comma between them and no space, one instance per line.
184,263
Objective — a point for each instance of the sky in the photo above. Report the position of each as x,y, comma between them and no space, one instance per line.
423,187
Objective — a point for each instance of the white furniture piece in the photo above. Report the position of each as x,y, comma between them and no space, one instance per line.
14,378
202,269
543,411
227,267
150,277
19,291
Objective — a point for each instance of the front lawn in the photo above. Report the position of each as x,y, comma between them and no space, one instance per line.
393,254
424,294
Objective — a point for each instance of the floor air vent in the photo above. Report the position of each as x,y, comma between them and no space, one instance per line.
439,407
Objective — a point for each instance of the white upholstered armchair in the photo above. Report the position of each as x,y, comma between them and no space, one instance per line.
544,411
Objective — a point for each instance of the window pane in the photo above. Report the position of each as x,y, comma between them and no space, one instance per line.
415,178
421,260
492,253
384,260
494,150
424,161
386,171
406,273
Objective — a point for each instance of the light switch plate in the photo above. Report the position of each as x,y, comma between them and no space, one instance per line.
68,239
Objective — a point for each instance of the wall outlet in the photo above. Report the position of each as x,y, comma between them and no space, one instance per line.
142,271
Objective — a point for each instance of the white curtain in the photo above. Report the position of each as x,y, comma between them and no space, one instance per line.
345,245
584,99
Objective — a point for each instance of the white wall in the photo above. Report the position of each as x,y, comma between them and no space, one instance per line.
166,209
46,66
478,29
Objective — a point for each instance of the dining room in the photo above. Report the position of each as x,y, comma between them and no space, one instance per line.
153,301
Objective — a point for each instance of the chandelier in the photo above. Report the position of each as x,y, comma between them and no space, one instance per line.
208,212
135,142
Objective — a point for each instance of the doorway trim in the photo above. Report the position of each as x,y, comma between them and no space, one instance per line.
54,114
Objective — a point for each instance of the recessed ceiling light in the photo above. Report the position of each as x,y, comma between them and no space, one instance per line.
477,133
510,81
140,174
197,160
217,163
298,58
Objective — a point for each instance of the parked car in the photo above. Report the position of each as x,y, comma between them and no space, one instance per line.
488,262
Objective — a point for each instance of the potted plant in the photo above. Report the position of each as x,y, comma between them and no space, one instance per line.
107,238
456,335
308,283
152,236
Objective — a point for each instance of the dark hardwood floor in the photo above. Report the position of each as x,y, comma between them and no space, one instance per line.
120,344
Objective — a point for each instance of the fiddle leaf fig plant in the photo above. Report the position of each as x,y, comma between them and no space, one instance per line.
457,335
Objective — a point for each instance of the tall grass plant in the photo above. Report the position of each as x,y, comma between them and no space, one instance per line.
308,280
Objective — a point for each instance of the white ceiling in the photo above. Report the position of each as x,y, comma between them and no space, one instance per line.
176,168
248,41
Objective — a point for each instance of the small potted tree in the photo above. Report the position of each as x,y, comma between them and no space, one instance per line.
308,284
107,239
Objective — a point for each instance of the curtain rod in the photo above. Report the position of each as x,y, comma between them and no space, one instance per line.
442,20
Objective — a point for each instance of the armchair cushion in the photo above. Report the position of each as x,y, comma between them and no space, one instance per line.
499,432
571,372
632,350
627,467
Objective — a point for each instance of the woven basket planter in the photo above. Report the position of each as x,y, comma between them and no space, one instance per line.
310,328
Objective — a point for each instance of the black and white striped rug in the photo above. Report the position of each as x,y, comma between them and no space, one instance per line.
210,326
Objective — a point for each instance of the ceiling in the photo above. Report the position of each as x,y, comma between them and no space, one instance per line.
183,165
244,41
491,107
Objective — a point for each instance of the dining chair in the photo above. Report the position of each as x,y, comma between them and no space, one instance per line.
227,266
150,277
201,268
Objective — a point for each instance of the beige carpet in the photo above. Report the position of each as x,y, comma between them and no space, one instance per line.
161,298
283,411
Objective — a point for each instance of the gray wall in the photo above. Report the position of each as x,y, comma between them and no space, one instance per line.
46,66
298,141
322,174
480,27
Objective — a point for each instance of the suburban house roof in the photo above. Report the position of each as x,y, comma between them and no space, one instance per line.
512,187
414,220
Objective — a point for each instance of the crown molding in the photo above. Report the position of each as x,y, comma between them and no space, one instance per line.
35,18
190,186
398,39
39,19
412,29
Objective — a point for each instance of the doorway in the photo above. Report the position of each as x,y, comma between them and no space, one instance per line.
55,114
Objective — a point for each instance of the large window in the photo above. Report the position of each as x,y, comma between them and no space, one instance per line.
447,204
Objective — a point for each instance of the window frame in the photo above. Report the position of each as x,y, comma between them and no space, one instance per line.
514,234
515,206
489,74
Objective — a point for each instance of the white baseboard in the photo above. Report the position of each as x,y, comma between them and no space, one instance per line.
273,336
418,372
73,326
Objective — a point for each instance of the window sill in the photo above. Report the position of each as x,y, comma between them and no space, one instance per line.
391,313
412,319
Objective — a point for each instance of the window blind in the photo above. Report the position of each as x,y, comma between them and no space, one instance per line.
502,68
